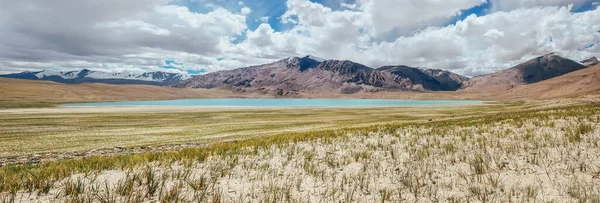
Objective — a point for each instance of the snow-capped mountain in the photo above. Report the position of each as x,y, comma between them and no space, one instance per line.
590,62
85,75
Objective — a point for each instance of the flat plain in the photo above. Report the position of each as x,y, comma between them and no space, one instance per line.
67,129
500,151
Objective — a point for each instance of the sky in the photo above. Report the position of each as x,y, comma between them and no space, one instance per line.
469,37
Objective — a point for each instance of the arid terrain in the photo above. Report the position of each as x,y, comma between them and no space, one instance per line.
500,152
525,150
299,101
26,93
532,142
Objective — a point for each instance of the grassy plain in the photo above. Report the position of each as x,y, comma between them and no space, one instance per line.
30,131
503,152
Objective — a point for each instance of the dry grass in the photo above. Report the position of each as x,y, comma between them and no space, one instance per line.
511,156
29,131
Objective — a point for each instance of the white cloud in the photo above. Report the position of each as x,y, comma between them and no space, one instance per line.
393,18
476,45
512,38
106,36
264,19
494,33
127,34
246,11
308,13
143,26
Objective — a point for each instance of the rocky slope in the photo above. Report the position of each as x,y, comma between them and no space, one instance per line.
426,79
574,84
85,75
532,71
590,62
295,75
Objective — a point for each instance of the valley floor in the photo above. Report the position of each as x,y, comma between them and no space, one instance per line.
499,152
47,131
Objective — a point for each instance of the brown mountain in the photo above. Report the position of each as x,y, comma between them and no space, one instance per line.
426,79
590,62
532,71
574,84
295,75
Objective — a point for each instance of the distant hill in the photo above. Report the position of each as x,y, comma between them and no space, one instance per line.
577,83
532,71
295,75
85,75
23,93
590,62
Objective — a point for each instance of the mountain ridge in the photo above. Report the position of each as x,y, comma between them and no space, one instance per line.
293,75
532,71
592,61
310,75
158,78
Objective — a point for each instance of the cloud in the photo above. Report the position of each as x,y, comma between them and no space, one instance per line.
475,45
136,24
393,18
264,19
63,33
246,11
497,41
494,33
508,5
128,34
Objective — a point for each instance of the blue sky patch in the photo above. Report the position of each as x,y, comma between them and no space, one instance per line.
588,6
196,72
479,10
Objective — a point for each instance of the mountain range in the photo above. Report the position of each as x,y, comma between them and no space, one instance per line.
590,62
294,76
308,74
532,71
88,76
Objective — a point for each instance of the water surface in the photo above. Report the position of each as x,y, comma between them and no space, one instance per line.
283,103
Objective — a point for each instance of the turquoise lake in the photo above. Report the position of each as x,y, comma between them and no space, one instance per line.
282,103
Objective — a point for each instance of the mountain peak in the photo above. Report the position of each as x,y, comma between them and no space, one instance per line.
532,71
590,62
550,56
318,59
299,75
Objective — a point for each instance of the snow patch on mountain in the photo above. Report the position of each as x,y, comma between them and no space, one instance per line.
127,75
319,59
